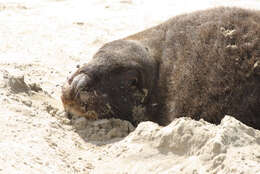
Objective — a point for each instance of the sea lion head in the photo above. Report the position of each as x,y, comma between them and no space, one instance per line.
117,82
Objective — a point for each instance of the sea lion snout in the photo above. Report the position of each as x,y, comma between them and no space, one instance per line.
78,98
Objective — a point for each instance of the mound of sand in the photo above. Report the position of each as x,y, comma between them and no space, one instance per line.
186,146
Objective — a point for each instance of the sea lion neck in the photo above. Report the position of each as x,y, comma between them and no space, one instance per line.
152,39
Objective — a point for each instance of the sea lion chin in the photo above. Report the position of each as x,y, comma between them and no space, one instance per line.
203,65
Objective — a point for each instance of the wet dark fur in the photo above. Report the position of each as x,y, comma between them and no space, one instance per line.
202,65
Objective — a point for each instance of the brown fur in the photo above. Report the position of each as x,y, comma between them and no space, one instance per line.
202,65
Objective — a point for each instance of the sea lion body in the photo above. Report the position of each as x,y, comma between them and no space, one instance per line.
204,64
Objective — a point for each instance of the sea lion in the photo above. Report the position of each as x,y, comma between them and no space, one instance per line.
205,64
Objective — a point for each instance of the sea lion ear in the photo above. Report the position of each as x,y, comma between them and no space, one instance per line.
70,79
80,70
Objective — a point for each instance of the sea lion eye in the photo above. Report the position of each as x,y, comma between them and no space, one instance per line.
133,82
129,79
129,83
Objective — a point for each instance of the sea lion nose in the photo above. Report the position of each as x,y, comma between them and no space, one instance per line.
68,115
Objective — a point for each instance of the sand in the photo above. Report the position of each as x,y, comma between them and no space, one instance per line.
43,41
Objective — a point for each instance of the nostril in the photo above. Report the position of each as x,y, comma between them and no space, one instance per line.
68,115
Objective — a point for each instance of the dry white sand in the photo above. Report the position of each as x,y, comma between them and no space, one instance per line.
42,41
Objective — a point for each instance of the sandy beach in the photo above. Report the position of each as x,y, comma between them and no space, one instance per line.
42,43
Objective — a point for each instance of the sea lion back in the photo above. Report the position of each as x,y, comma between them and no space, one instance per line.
211,60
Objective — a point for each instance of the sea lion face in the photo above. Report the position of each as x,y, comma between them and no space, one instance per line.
112,84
